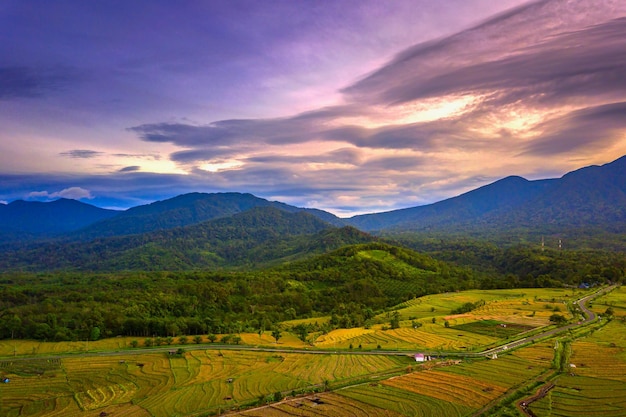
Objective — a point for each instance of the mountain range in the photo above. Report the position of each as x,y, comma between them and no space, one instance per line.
233,229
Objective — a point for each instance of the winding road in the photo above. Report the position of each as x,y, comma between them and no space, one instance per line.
590,317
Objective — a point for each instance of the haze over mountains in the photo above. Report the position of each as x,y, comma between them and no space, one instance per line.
227,229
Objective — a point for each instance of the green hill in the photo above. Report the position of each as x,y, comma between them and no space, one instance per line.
252,238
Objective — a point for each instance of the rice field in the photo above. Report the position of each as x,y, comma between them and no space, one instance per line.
159,384
510,369
406,403
596,382
616,300
209,380
323,404
429,337
583,396
459,389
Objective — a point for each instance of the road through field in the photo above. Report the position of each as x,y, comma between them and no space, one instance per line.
590,316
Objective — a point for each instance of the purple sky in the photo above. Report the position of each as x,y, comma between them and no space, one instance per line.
349,106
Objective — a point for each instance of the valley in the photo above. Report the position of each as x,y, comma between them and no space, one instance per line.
372,370
212,304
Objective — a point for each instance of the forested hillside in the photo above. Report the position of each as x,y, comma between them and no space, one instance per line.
251,238
352,284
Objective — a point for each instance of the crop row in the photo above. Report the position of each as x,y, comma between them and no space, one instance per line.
405,402
459,389
580,396
506,371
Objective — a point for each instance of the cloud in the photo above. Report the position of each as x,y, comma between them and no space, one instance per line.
81,154
583,130
74,193
130,169
148,156
526,91
547,41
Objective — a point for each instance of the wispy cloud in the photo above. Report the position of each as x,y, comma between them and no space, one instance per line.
74,193
259,107
130,169
81,154
543,80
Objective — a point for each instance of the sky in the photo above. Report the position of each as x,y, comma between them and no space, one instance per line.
351,106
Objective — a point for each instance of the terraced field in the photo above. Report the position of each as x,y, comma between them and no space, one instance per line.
159,384
596,383
447,386
324,405
210,381
582,396
406,403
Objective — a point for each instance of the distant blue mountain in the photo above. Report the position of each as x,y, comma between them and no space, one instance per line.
594,196
184,210
22,220
591,197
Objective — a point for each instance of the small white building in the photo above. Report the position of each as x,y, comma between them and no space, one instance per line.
420,357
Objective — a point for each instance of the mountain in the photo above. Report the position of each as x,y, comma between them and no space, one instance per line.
21,220
594,196
185,210
500,195
261,235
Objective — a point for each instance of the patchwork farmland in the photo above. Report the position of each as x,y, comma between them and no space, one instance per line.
346,371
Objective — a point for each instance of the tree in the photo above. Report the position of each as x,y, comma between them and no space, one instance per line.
183,340
276,334
236,339
278,396
147,342
557,319
197,339
169,340
95,333
211,337
415,324
609,312
14,324
134,343
395,320
302,331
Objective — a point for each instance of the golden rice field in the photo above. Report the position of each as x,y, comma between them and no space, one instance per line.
446,386
157,384
455,390
323,405
429,337
35,347
403,402
443,304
